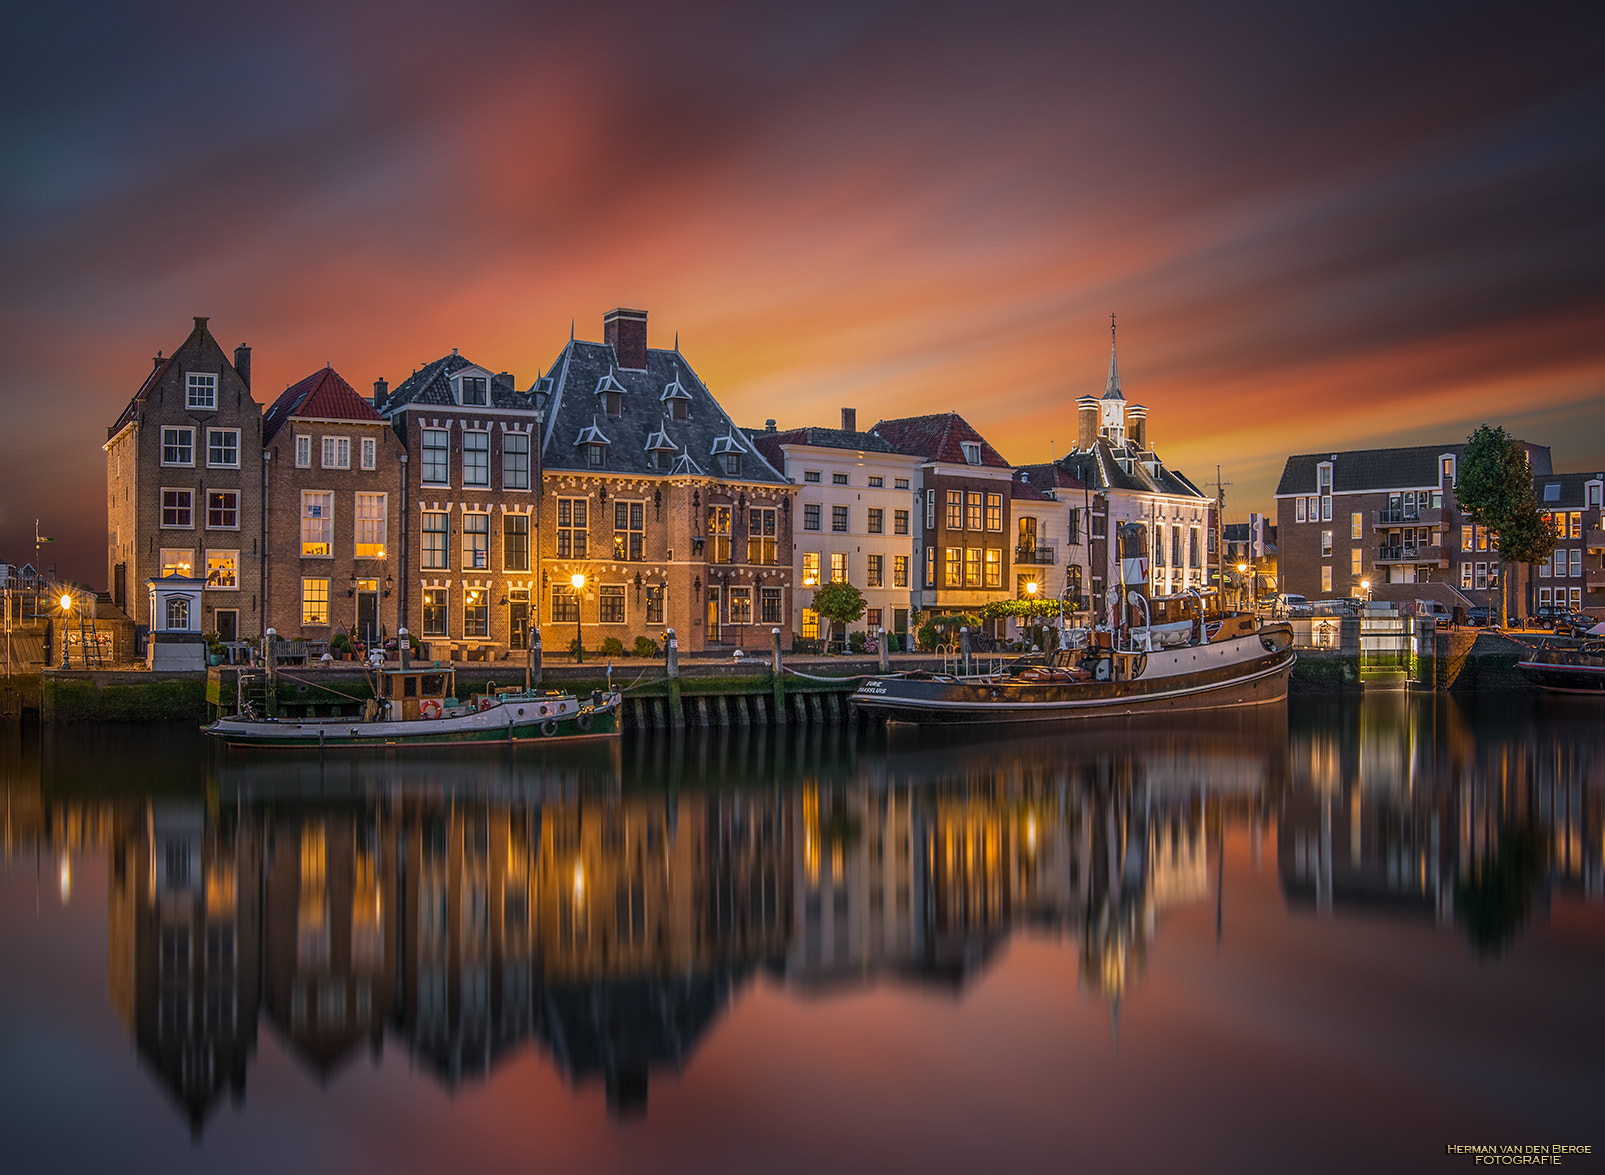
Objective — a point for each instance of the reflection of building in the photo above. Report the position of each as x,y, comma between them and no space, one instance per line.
182,941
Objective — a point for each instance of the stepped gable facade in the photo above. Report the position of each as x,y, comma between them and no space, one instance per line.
664,506
332,491
468,492
184,486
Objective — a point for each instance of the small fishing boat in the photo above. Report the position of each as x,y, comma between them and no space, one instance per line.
1566,669
419,706
1168,654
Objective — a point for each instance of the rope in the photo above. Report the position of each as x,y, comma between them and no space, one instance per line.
321,686
854,677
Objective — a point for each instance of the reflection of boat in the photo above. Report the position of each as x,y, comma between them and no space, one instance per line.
1579,670
420,706
1164,654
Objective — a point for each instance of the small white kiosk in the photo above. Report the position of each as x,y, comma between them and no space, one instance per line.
176,640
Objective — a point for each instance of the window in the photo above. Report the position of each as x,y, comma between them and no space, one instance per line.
223,509
1560,564
930,509
811,475
899,521
178,508
974,510
900,483
877,520
1577,524
315,601
223,447
1326,579
810,576
177,612
876,483
1175,547
1073,531
1543,597
434,611
719,534
955,510
972,567
371,514
370,453
761,535
994,567
1355,565
876,575
610,599
337,452
839,479
1326,544
1576,563
629,526
612,404
223,570
565,604
1326,509
731,463
810,624
435,469
770,605
515,542
994,512
811,512
838,567
740,605
476,542
930,567
1468,540
654,603
872,617
1465,575
476,612
435,541
900,571
200,391
476,458
476,390
972,452
1298,510
1159,545
572,527
1448,471
1543,569
1315,508
317,524
178,446
838,519
303,452
176,561
1595,492
1577,598
953,574
515,461
1192,548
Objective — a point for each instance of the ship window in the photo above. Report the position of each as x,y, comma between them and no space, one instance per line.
409,687
433,685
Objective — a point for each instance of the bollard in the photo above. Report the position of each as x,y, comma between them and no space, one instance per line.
776,685
672,654
672,663
886,656
964,649
403,647
1426,652
1349,649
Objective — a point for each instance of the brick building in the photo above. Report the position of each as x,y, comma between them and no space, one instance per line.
1574,577
653,495
1053,534
332,516
183,486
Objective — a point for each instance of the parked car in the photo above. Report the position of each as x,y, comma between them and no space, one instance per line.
1482,617
1285,604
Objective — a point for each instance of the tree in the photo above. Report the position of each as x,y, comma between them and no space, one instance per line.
1495,490
839,602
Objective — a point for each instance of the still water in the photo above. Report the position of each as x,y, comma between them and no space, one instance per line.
1317,937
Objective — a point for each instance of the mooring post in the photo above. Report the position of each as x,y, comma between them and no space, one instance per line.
777,687
672,664
886,655
1426,652
1349,649
964,648
532,673
270,639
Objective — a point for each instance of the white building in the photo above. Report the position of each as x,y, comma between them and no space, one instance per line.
854,519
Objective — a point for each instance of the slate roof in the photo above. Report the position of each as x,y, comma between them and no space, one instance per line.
1366,469
1567,491
1048,476
323,395
571,392
769,443
431,384
936,438
1100,468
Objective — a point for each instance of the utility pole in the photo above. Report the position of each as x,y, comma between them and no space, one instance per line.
1220,537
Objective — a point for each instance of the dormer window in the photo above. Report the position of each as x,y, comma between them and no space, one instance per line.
676,400
731,463
972,452
475,391
1447,471
594,455
728,450
593,443
612,404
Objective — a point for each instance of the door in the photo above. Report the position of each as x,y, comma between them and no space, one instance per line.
713,614
368,610
518,620
228,626
119,586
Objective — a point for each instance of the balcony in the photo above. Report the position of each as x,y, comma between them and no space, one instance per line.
1410,553
1595,578
1424,516
1041,556
1594,536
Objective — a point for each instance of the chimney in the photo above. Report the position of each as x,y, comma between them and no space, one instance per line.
625,331
849,419
242,364
200,323
1137,426
1087,422
769,426
381,389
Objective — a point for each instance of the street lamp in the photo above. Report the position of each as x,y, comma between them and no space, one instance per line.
577,582
1365,586
66,617
1242,569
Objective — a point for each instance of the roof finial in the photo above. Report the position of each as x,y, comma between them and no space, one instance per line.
571,330
1111,390
676,342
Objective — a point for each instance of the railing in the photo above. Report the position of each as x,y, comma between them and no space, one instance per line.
1595,578
1421,516
1044,556
1410,553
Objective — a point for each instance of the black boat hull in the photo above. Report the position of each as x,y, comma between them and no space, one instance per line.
1580,674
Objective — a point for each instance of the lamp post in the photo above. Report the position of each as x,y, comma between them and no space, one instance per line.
1031,594
1253,588
66,616
1365,586
577,582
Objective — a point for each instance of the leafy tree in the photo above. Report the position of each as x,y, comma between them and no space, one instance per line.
839,602
1495,490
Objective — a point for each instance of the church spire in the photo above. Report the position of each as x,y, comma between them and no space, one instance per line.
1111,390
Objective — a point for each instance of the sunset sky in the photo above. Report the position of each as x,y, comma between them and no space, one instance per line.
1321,226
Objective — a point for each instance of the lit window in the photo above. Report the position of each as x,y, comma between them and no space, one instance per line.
876,574
435,611
974,510
317,524
314,601
994,512
223,569
719,519
810,624
954,573
972,567
370,515
176,561
476,612
994,567
810,575
629,526
838,567
900,571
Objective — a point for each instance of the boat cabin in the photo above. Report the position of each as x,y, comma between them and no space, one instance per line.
418,693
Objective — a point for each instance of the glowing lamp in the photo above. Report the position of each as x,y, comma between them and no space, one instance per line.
66,603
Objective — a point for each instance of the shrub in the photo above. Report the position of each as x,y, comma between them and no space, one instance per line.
645,646
574,647
612,647
341,643
857,642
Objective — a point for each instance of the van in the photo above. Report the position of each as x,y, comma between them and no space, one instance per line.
1436,609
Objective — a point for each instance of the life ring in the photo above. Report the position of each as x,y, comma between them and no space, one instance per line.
429,708
486,702
583,722
549,727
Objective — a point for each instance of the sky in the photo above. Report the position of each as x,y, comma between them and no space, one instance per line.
1321,226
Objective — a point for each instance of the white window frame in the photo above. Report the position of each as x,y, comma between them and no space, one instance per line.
176,430
161,508
223,432
215,554
971,451
327,524
221,526
197,380
336,452
1326,578
514,478
303,451
1576,561
188,561
425,448
357,521
370,452
476,433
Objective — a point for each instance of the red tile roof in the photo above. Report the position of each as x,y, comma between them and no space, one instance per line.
936,438
323,395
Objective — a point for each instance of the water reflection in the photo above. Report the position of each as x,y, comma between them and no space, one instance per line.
607,905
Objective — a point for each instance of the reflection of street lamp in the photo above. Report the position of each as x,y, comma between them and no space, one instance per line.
577,581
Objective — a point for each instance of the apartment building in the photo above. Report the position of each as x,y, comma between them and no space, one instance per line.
1054,548
1574,577
856,500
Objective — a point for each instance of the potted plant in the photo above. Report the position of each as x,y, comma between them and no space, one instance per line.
215,651
341,646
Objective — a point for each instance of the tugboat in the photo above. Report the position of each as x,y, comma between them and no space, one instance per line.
1156,654
419,706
